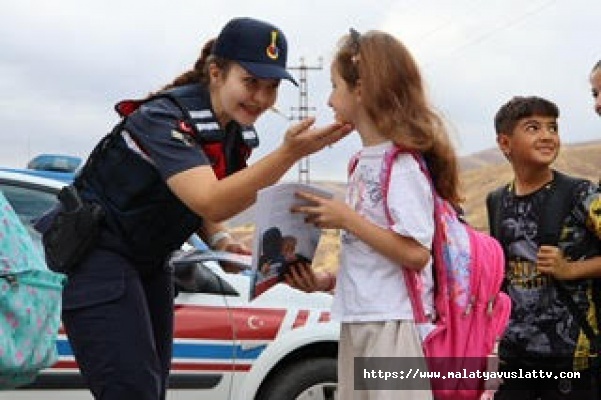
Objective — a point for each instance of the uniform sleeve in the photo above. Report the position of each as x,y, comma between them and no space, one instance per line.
154,126
410,201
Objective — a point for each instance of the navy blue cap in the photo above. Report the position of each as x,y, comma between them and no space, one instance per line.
258,46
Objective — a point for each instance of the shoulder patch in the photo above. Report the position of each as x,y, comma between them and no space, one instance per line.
182,137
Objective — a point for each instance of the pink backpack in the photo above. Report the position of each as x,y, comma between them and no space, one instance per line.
471,311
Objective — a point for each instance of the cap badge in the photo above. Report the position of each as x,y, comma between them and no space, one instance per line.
272,50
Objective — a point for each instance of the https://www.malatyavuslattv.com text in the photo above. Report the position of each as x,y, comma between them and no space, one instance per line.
416,373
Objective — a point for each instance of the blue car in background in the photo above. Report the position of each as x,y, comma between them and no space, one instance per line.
55,163
53,166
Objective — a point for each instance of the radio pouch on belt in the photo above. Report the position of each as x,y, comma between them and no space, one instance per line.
73,231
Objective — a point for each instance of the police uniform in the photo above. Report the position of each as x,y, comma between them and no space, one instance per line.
118,303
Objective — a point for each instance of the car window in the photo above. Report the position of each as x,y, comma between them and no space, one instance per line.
28,202
197,278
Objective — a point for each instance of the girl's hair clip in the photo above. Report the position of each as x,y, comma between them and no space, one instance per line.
355,38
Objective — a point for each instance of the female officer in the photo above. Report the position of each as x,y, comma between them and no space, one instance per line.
174,165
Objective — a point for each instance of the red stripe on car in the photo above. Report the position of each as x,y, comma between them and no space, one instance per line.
301,319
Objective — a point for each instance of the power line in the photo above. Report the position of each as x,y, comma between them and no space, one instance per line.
446,23
512,22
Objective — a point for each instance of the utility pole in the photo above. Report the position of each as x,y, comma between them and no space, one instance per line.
302,111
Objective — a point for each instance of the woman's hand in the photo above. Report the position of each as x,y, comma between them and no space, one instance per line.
302,139
302,277
237,247
232,246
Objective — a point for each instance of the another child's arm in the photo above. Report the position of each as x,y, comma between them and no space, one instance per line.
551,260
331,213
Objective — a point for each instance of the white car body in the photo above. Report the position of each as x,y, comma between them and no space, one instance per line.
226,346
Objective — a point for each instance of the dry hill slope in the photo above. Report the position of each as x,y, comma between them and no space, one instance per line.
576,159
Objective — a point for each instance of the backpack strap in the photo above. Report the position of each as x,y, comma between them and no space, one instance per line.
494,201
579,316
411,277
494,204
558,205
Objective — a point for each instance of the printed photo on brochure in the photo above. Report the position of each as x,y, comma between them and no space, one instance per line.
281,238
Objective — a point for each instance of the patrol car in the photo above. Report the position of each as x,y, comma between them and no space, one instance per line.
53,166
281,345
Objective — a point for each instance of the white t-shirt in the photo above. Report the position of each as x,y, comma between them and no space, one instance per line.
370,287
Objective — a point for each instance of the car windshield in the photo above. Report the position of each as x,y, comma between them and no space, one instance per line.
29,203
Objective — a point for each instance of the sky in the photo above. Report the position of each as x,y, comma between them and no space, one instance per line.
65,63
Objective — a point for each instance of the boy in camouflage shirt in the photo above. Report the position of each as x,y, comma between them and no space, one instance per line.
543,333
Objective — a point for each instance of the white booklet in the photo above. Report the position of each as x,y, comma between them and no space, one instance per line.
281,238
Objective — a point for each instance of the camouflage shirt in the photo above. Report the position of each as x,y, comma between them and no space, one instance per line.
541,325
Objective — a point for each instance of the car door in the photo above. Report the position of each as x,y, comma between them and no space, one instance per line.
204,349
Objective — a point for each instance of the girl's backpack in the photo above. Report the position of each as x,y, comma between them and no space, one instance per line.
30,304
471,311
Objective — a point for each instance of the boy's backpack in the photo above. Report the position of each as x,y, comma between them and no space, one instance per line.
558,205
30,304
471,311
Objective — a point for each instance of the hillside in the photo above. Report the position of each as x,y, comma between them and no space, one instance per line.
581,159
480,173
